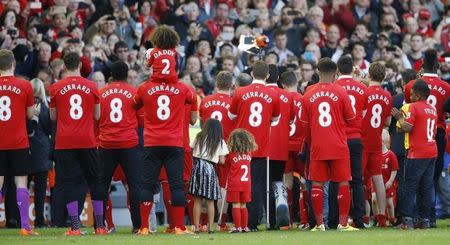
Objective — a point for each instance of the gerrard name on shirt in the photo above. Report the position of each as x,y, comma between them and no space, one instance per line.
256,94
108,92
354,88
378,97
217,103
317,95
13,89
439,89
163,87
69,87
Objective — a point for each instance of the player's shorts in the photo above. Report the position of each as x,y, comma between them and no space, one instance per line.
372,162
239,196
337,170
188,162
16,162
222,171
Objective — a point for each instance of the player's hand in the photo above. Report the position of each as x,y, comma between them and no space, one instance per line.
396,113
388,185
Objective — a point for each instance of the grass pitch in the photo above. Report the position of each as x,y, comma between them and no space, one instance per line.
389,236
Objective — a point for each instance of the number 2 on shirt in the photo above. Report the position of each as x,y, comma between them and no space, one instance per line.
244,177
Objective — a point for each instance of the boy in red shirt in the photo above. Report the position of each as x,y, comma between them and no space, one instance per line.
419,121
325,116
389,168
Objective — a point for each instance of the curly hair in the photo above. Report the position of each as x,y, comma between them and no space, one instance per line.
164,37
242,142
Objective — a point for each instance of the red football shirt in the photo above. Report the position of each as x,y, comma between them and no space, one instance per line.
326,110
118,121
192,107
16,95
239,178
279,134
439,92
254,107
357,93
74,99
379,105
423,117
164,65
390,163
164,106
217,106
296,136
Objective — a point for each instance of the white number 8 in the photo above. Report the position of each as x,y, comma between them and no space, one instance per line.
325,117
116,112
255,118
217,115
163,112
5,111
375,121
353,102
76,111
432,100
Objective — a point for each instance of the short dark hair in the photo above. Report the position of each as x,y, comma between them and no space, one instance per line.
273,74
224,80
279,32
430,61
345,65
408,75
244,79
260,70
164,37
6,59
120,44
326,65
288,79
377,71
72,61
421,88
119,71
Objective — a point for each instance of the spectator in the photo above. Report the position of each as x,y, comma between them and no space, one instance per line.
126,28
308,69
362,12
338,13
133,78
331,41
104,27
416,54
243,80
291,30
99,79
358,55
424,22
280,48
220,19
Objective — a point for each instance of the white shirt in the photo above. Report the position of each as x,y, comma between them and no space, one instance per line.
222,150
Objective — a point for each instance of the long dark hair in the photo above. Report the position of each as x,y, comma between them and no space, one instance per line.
210,138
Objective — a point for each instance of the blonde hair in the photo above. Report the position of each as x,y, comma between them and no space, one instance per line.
39,90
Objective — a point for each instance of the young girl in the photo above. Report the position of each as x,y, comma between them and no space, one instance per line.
241,144
209,148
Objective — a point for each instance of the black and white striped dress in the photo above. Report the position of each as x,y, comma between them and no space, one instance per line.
204,181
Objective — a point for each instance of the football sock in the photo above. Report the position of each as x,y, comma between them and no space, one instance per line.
317,203
303,207
344,204
146,207
366,219
23,201
224,220
237,216
244,217
178,216
108,213
381,219
98,213
72,210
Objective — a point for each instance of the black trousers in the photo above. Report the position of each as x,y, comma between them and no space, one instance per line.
172,158
131,162
356,186
40,187
71,162
440,142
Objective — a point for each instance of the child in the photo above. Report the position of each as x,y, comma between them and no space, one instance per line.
389,167
163,57
209,148
241,144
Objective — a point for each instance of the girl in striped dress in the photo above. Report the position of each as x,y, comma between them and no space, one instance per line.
209,149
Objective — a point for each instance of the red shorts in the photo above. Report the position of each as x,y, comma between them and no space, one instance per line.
391,192
119,175
222,172
239,196
337,170
188,162
372,162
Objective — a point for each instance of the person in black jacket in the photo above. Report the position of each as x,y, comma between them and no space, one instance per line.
39,133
